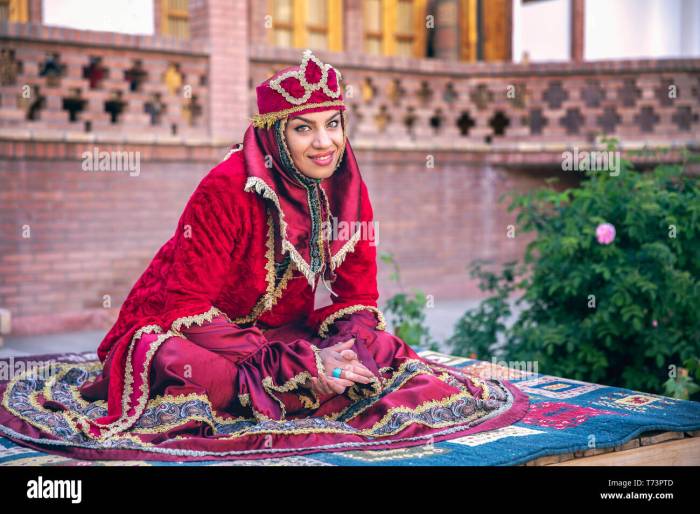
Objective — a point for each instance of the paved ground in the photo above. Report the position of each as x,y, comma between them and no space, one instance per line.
440,319
52,343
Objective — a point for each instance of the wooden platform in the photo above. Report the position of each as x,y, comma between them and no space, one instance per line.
650,449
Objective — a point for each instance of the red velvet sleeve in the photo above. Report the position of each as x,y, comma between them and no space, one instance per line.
356,281
206,236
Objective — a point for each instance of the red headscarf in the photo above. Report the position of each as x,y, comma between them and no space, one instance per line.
308,209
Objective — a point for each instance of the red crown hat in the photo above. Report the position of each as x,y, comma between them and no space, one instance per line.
311,86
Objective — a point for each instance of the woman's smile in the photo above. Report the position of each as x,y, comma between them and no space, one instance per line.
323,159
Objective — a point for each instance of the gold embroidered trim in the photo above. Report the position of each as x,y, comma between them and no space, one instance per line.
261,187
232,151
79,422
75,394
295,382
268,119
152,404
197,319
319,240
349,246
420,408
397,373
369,432
357,392
125,420
147,329
32,398
311,401
320,368
482,385
128,374
328,321
272,294
183,398
300,74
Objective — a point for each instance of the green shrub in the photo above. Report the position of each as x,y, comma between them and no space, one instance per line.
407,313
624,314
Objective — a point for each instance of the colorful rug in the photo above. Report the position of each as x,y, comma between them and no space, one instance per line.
565,416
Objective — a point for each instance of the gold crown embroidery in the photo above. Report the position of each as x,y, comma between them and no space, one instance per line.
300,75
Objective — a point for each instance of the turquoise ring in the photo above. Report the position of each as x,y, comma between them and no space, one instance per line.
337,372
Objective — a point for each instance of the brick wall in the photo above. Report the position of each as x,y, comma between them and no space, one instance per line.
68,237
93,233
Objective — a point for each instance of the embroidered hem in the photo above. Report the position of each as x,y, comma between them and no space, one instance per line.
20,399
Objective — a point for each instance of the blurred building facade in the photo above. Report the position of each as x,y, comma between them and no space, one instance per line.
452,103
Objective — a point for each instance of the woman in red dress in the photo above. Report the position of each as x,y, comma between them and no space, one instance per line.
218,351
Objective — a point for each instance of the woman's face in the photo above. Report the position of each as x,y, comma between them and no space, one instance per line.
314,141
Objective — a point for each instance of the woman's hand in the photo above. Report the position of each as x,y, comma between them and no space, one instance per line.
340,356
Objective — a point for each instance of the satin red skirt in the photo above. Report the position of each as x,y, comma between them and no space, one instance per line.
224,392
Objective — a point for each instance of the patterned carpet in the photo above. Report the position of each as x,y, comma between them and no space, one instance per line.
565,416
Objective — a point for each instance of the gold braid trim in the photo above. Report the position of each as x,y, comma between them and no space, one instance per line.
295,382
128,372
349,246
445,402
263,189
153,403
482,385
33,401
260,186
125,420
268,119
357,391
320,368
232,151
395,374
272,294
75,394
328,321
198,319
148,329
183,398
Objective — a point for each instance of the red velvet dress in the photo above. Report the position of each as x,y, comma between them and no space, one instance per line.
212,348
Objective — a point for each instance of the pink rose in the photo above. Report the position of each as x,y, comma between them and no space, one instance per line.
605,233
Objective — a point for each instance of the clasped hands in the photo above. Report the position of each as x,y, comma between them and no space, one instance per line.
340,356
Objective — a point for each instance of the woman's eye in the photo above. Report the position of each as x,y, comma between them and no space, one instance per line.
333,124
